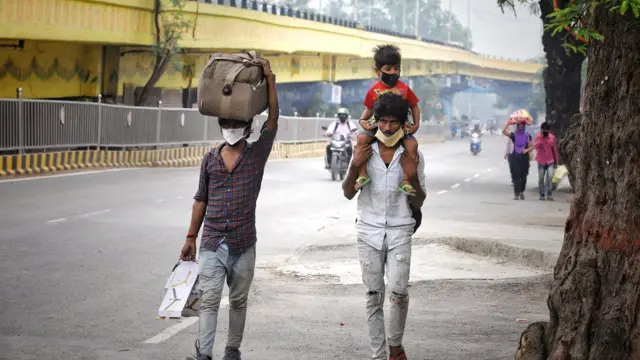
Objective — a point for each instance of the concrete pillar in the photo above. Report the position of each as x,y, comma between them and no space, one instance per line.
110,71
328,68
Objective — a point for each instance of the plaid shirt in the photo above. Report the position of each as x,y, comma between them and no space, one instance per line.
231,197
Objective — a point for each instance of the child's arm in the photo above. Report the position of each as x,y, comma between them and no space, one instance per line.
364,119
415,114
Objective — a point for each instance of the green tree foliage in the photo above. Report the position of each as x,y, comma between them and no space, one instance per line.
170,28
433,21
575,18
394,15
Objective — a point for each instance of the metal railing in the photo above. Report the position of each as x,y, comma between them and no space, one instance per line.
285,10
28,125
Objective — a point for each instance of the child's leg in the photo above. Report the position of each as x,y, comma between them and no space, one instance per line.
364,138
411,146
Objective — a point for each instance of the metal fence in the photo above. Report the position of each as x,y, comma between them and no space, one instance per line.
40,125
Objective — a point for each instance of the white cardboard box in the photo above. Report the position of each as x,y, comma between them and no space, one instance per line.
181,295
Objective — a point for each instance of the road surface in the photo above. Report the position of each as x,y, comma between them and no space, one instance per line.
84,258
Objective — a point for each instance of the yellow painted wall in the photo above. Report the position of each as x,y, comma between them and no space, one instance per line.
222,27
93,21
135,68
50,70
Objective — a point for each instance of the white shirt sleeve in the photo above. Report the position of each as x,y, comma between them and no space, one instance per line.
422,178
330,129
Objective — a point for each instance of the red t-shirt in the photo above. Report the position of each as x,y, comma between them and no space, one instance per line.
380,88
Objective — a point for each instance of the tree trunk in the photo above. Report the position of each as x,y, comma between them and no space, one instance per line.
160,66
561,79
594,303
163,57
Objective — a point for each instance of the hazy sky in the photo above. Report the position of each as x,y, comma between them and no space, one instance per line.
499,34
494,33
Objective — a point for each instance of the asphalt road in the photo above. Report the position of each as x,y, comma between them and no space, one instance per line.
84,258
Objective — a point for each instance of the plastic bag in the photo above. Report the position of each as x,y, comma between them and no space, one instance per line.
559,174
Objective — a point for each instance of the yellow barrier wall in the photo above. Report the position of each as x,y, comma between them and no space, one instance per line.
48,69
41,163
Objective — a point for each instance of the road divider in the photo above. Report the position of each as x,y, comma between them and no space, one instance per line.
48,162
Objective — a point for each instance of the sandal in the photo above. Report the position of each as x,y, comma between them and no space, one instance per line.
407,189
362,181
401,356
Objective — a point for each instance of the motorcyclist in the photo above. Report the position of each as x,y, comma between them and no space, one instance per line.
476,130
341,126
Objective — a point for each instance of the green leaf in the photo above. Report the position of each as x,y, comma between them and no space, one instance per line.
624,7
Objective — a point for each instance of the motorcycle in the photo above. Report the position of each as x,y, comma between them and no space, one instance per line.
339,162
475,143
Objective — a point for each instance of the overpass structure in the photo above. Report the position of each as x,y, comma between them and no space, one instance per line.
83,48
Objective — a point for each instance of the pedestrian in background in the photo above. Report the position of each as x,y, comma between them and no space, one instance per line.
509,150
519,158
547,159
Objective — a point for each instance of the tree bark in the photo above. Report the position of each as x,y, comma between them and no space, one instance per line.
160,66
594,303
561,79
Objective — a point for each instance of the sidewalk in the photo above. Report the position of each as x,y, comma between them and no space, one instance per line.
304,319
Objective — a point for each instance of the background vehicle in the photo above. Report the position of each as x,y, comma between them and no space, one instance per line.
474,144
339,162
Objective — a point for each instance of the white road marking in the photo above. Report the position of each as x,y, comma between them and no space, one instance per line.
167,333
442,192
94,213
65,175
79,216
467,179
168,199
455,186
182,324
56,221
476,175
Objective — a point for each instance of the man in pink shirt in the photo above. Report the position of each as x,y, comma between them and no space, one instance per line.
547,159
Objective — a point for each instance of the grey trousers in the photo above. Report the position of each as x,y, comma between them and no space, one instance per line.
213,269
398,264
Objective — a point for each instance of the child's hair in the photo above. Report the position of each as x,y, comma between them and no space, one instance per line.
386,55
390,104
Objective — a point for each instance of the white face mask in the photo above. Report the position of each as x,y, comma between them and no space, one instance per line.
392,140
232,136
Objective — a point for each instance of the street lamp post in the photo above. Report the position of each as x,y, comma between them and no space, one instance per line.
417,19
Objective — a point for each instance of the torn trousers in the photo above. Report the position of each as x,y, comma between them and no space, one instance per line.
396,263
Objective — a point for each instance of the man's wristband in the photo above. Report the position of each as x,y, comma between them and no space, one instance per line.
191,235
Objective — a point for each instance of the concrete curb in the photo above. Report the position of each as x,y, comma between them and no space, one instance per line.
545,260
37,163
29,164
